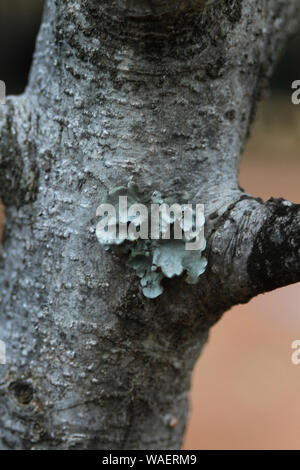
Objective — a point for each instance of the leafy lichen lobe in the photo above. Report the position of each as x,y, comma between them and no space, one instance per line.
153,259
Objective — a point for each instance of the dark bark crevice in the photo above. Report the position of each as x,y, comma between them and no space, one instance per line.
275,258
19,173
141,9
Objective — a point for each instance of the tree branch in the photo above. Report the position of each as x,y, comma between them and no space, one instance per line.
254,247
275,255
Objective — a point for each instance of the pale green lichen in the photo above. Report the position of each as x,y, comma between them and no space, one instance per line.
152,259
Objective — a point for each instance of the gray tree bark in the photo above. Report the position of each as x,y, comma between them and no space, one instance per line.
162,94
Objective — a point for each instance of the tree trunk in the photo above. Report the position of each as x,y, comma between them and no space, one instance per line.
160,93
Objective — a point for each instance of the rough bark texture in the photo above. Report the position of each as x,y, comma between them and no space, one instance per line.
160,93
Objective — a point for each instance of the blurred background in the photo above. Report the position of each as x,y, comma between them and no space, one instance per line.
245,390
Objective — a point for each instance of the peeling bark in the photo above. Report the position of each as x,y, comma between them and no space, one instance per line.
158,93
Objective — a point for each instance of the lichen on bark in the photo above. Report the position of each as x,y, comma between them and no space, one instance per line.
164,101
